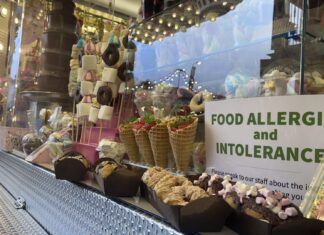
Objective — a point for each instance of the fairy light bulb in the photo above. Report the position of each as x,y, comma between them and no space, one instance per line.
176,27
138,32
182,18
136,39
190,21
197,12
189,8
164,32
169,24
232,7
153,37
16,20
143,41
160,21
174,15
224,3
146,35
157,30
149,27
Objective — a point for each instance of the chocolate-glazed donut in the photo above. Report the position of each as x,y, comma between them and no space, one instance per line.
104,95
122,71
128,44
111,55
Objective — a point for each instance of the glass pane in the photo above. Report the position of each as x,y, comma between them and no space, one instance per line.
314,48
234,49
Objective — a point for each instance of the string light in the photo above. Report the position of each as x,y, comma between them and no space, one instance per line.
149,27
176,27
174,15
161,21
146,35
232,7
157,30
190,21
182,18
169,24
224,3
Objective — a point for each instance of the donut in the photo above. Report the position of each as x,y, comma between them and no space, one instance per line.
104,95
128,44
111,55
197,103
122,71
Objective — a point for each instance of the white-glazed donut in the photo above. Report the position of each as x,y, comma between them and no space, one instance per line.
197,103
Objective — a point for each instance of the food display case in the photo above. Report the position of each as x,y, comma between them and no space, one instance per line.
116,112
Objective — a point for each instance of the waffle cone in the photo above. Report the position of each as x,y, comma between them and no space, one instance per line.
127,137
159,138
144,146
182,142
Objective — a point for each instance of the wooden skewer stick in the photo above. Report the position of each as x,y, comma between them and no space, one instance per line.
120,110
89,137
78,129
100,131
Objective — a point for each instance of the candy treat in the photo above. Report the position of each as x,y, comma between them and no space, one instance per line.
83,109
111,149
275,83
104,46
89,47
109,75
159,139
126,87
104,95
260,202
197,103
122,69
105,169
114,89
89,62
182,133
111,55
86,88
202,181
89,76
143,141
81,74
105,112
93,114
44,133
97,86
30,143
251,88
172,190
126,135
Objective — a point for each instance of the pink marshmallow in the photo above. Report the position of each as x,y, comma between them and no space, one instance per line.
291,211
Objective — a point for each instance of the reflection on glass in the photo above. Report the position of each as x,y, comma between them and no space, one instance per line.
251,50
314,48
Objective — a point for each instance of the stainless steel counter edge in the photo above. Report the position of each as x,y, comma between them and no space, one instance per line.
62,207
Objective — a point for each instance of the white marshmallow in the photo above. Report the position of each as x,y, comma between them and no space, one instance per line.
109,75
105,112
93,115
98,85
89,62
83,109
86,88
81,74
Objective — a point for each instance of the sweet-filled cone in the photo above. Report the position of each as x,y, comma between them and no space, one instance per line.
159,138
126,135
144,145
182,141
